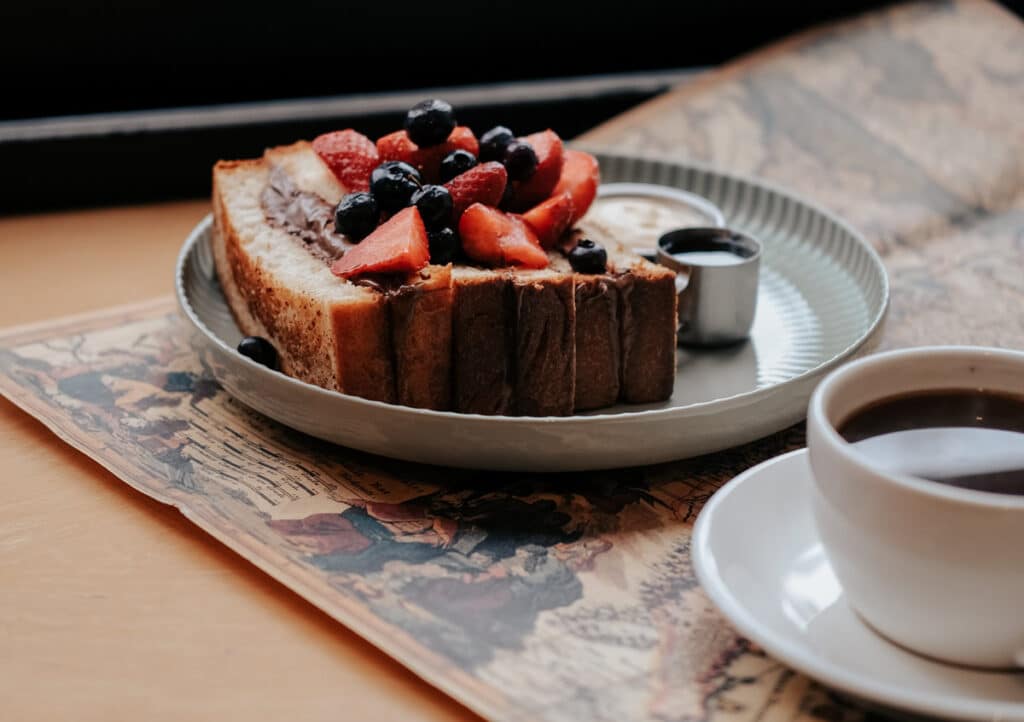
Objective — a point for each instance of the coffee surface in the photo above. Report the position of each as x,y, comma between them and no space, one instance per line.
967,438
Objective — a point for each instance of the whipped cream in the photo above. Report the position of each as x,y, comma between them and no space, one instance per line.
639,220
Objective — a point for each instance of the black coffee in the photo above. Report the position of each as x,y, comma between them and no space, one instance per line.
971,439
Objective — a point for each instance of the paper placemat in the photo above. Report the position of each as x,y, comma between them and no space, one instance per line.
523,596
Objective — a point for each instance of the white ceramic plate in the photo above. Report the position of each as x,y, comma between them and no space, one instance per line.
822,298
757,554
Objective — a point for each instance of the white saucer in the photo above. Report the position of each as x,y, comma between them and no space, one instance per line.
757,554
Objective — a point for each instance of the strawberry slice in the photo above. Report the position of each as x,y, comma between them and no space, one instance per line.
351,156
548,147
399,245
499,239
398,146
550,219
580,178
484,184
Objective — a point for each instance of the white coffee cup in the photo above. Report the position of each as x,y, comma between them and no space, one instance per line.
935,568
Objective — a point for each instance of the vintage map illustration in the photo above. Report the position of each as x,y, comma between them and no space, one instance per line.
526,596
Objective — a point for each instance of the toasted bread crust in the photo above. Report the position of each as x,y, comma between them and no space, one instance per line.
363,348
545,345
647,309
482,335
421,336
598,342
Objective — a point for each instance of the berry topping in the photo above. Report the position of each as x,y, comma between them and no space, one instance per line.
429,122
434,204
399,245
456,163
357,215
494,142
548,147
550,219
484,183
350,156
393,183
588,257
508,197
497,238
520,160
580,177
259,350
398,146
444,244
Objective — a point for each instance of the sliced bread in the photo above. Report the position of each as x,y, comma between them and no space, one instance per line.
461,337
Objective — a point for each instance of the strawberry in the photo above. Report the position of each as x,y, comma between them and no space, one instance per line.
399,245
350,156
550,219
548,147
398,146
497,238
580,178
484,184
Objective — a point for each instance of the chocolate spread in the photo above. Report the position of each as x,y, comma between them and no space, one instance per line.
310,219
389,285
304,215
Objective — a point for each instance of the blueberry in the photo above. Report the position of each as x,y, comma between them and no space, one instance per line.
588,257
443,245
395,168
429,122
259,350
494,142
393,183
507,197
520,160
357,215
434,204
456,163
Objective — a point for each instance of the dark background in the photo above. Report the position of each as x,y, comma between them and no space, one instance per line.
98,56
373,58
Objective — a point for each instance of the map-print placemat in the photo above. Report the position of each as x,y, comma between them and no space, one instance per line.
524,596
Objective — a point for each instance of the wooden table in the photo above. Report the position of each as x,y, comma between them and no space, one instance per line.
112,606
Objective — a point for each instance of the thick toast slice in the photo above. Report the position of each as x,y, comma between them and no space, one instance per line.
392,346
278,290
514,341
625,326
483,342
545,358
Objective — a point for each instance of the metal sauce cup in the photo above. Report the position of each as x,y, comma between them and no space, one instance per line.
717,283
